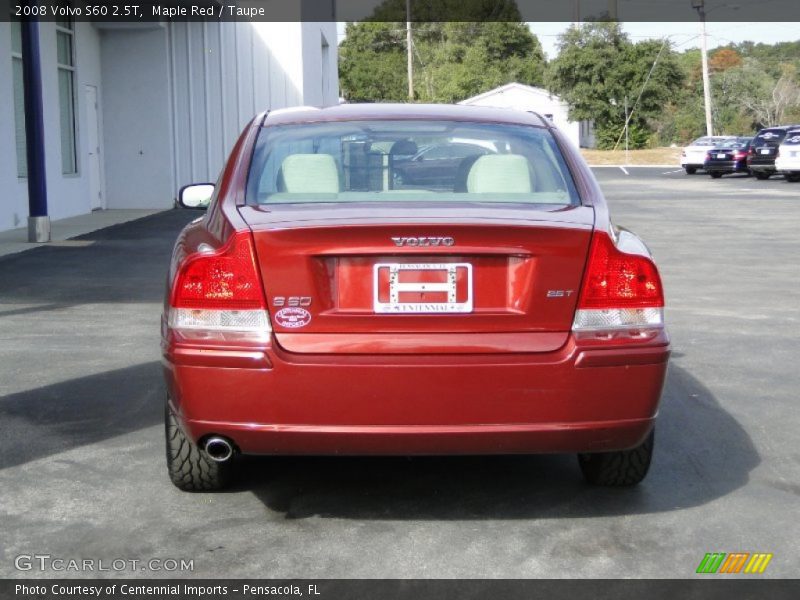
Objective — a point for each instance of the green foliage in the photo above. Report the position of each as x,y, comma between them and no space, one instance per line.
608,134
598,67
476,11
372,62
452,60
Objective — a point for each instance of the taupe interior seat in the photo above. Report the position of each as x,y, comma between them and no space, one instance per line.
309,174
500,174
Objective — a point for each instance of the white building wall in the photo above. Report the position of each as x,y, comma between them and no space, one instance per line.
173,99
136,140
68,195
525,98
14,203
188,89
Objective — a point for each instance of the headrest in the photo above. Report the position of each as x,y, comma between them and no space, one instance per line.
310,174
500,174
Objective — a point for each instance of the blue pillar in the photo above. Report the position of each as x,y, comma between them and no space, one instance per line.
38,219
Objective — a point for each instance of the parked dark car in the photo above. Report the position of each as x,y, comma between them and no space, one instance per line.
729,158
764,150
438,163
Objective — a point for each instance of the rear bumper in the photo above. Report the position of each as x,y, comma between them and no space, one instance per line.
787,165
762,165
726,166
576,399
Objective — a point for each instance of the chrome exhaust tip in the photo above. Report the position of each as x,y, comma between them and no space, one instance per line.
218,449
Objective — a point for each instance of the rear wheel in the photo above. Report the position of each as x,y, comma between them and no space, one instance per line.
691,170
793,177
715,175
617,469
190,468
762,175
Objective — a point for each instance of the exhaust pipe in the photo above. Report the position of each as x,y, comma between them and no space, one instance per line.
218,449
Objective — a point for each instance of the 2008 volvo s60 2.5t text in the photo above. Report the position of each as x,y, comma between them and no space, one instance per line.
324,306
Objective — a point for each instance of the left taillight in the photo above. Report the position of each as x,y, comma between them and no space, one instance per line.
218,295
621,296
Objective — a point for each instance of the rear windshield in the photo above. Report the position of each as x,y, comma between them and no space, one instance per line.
792,138
712,141
769,137
415,161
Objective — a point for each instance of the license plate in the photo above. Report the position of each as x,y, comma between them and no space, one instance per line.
765,151
721,155
422,288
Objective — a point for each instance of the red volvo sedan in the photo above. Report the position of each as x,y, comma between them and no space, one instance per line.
324,305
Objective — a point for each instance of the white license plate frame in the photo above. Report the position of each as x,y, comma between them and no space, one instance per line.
394,306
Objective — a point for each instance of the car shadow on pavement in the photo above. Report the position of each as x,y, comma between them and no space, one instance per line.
702,453
56,418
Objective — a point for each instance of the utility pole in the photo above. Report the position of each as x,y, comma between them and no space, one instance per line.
627,155
699,6
409,50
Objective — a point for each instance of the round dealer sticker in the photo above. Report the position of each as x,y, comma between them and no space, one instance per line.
293,318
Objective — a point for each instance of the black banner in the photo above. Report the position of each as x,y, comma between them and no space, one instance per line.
133,11
401,589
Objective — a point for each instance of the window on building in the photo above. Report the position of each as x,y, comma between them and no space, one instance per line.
65,56
19,98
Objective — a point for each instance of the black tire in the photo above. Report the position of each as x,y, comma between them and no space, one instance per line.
618,469
690,170
715,175
189,467
762,175
792,177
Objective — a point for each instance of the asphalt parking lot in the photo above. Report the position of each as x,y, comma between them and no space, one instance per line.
82,471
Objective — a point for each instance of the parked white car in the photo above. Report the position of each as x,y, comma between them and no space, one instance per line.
693,156
788,159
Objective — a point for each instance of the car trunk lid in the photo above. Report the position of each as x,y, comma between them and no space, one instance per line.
398,279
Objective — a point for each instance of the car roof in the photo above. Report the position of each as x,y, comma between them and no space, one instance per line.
780,127
380,111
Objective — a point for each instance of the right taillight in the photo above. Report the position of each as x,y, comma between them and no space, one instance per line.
218,295
621,295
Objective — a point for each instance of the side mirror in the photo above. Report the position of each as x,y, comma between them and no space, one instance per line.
197,195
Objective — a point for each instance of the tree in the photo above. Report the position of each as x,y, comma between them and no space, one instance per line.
372,62
452,60
598,67
766,99
724,59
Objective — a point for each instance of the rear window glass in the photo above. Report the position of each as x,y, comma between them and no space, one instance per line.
769,137
792,138
712,141
404,160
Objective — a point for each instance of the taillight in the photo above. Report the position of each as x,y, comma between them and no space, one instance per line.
622,295
218,294
740,155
